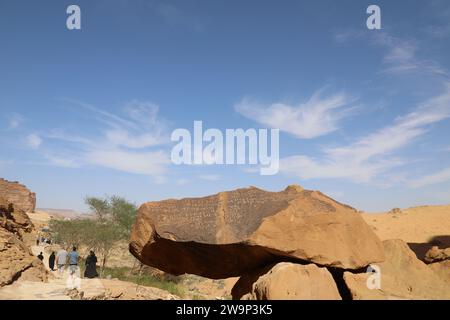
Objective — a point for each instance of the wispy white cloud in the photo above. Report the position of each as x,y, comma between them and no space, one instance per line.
60,161
316,117
439,31
209,177
401,57
148,163
371,155
60,134
343,36
140,128
124,143
182,182
33,141
434,178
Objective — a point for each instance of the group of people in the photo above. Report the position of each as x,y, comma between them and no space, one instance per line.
43,240
62,258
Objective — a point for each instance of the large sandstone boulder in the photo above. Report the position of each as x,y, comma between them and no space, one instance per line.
233,233
289,281
403,276
18,194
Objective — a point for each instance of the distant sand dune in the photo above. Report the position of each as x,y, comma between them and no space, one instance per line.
421,227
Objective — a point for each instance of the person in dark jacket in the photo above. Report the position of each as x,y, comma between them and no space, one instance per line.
91,266
51,261
41,256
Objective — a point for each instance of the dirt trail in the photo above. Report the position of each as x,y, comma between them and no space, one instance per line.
56,288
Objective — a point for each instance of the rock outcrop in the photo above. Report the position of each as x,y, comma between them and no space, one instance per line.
435,254
403,276
18,194
442,269
14,220
439,262
16,259
234,233
289,281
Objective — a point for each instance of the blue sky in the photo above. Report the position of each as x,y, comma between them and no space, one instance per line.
364,115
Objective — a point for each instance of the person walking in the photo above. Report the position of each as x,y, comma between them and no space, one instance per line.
51,261
73,260
61,260
91,266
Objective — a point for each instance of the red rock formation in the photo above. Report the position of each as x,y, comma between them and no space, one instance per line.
17,194
233,233
16,259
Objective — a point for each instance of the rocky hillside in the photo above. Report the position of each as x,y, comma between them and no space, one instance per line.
16,260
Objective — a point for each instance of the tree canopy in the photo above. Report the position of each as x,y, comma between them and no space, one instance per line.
114,217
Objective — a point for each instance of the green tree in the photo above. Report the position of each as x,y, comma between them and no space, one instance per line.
104,238
114,209
114,217
100,207
123,213
70,233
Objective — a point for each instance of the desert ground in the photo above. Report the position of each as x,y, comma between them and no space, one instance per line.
421,227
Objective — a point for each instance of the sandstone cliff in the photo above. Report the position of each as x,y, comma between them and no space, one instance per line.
16,259
18,194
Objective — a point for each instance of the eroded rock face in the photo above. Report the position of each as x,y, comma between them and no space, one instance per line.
403,276
14,220
18,194
435,254
290,281
233,233
442,268
16,260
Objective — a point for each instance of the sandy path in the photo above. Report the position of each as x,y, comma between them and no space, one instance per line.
55,289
